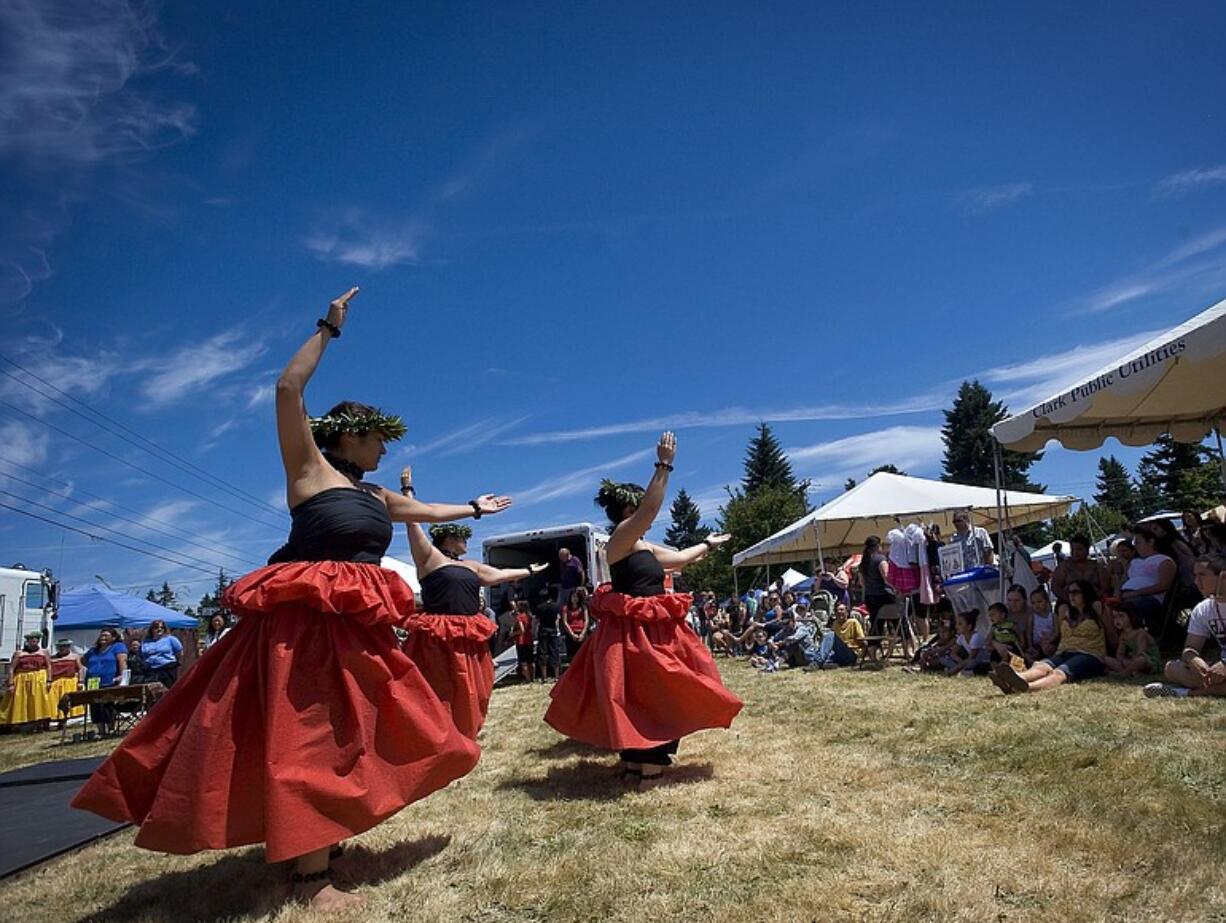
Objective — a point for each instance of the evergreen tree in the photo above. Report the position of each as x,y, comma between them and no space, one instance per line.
969,444
151,596
686,528
1177,475
1116,491
166,597
849,484
765,463
888,469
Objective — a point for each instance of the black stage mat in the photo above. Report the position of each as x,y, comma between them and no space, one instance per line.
37,822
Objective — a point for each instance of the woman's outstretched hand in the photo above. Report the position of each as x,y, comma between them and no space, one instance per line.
717,539
488,503
339,308
666,449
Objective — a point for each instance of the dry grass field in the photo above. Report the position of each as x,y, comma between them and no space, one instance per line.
843,795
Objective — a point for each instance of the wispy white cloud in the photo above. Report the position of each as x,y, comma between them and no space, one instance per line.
575,482
67,75
190,369
463,439
357,237
22,443
986,198
1185,182
912,448
1195,267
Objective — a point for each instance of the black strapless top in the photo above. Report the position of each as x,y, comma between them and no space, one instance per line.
638,574
337,524
453,589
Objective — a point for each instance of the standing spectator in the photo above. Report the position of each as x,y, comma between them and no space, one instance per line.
219,626
1080,566
833,582
548,638
571,575
104,662
65,678
161,651
26,699
873,577
575,621
975,543
521,635
136,664
1192,674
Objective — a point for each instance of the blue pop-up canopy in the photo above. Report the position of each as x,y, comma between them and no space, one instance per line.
94,606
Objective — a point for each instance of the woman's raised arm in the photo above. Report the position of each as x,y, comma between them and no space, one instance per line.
299,454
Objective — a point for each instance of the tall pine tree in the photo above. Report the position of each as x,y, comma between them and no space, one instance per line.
1116,491
686,528
969,444
1177,475
765,463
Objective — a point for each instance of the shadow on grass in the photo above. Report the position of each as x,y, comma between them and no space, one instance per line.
245,885
591,781
565,747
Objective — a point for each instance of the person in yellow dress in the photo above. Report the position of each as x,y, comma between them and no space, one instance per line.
25,699
66,673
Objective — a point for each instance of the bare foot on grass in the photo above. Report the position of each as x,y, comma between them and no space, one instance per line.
325,897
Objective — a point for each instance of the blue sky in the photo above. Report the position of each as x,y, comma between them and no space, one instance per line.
574,225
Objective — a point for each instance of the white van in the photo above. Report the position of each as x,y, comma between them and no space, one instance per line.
27,603
540,546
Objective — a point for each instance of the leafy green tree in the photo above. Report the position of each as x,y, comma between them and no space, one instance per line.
765,463
1101,520
686,528
969,444
1116,490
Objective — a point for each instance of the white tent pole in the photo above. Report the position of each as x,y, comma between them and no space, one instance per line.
1000,536
1217,430
736,590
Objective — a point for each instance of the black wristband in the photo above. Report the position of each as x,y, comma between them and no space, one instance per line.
707,542
664,465
326,324
476,508
408,489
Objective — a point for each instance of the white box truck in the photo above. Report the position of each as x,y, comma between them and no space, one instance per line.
540,546
27,603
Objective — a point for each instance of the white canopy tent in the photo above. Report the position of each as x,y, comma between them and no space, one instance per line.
884,501
1175,383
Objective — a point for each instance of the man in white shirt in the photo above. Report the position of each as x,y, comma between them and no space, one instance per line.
976,546
1191,674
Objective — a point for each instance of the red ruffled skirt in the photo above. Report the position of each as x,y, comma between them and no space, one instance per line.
642,679
304,725
453,654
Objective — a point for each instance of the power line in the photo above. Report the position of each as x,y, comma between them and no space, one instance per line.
51,509
181,536
123,461
127,432
102,538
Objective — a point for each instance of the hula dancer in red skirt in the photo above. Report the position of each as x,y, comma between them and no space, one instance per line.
643,679
449,637
306,723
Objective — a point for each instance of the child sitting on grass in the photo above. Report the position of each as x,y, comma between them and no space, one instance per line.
761,656
932,655
1137,651
971,653
1043,634
1005,643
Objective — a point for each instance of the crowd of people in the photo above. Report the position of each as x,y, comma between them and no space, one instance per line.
1159,590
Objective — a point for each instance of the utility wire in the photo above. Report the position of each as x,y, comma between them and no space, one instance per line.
102,538
181,536
123,461
127,432
187,557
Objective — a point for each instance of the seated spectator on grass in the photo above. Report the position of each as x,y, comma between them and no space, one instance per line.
848,628
1171,543
1122,554
1080,566
1004,640
1017,603
723,641
1079,655
970,653
837,645
1137,651
760,654
1191,531
1151,575
1192,673
1042,626
932,655
795,645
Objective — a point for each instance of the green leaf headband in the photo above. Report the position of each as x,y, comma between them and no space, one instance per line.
449,529
623,494
333,425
